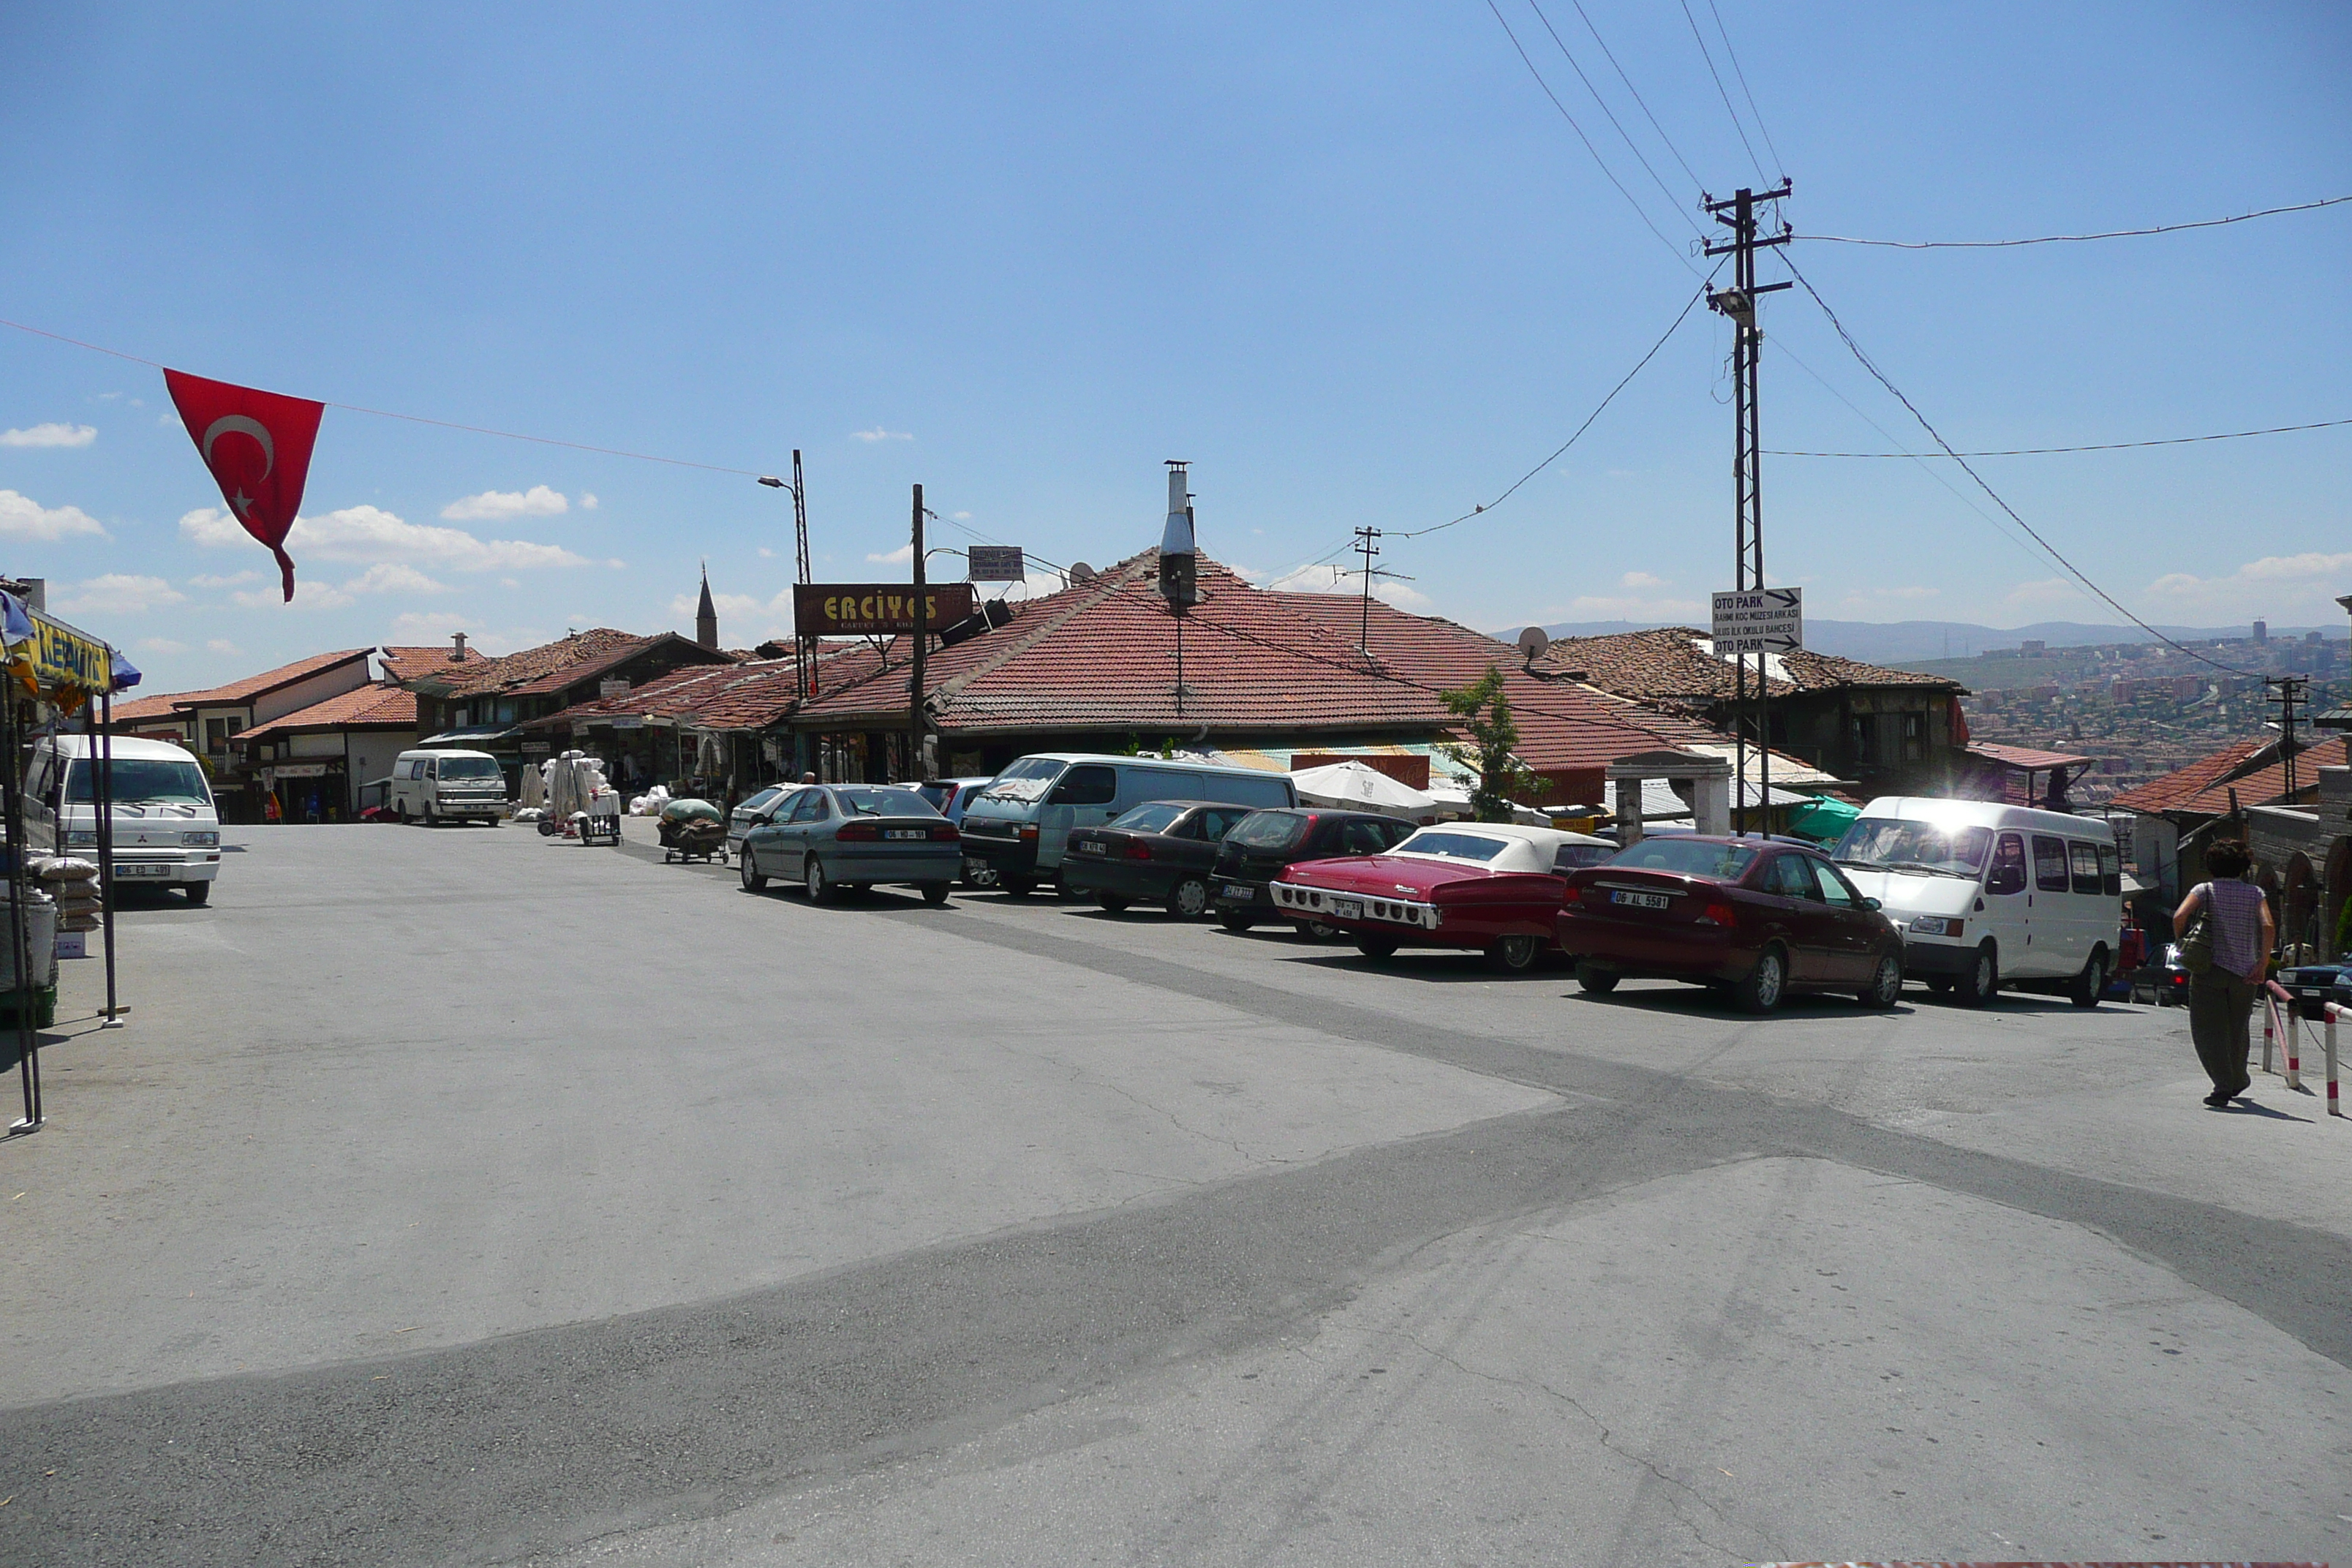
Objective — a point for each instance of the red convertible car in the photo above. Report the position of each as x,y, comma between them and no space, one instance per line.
1490,887
1757,918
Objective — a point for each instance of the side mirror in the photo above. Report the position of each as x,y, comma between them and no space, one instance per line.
1871,904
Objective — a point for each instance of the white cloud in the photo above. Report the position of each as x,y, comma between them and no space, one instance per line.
1867,600
222,645
743,618
1329,579
391,577
231,580
504,506
1641,579
383,577
50,436
766,553
2042,593
898,557
588,500
1630,607
160,645
370,534
118,595
966,517
2301,587
421,627
879,434
21,517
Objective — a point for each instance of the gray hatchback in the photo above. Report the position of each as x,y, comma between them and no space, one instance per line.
831,836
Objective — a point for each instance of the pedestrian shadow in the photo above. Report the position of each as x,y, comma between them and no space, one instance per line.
2249,1107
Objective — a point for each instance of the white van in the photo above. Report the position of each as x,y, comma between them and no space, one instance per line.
1989,895
1015,828
448,786
166,828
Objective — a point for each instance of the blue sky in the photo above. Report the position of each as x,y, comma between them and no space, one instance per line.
1348,260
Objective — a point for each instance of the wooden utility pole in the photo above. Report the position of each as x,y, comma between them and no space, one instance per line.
915,681
1366,548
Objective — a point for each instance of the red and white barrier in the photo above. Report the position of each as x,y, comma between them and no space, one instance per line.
2334,1010
2273,1026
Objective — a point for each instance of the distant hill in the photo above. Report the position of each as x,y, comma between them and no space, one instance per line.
1908,642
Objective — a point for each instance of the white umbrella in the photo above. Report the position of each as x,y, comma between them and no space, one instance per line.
1359,788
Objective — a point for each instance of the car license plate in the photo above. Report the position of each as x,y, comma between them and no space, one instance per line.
1348,908
142,871
1238,890
1089,846
905,833
1640,901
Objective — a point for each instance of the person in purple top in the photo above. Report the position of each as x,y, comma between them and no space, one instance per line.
2221,999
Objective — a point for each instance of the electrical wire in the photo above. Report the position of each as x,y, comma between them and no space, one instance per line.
1700,40
2051,550
1745,92
1628,80
2096,447
2071,239
1672,201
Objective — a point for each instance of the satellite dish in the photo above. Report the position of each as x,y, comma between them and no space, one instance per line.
1533,642
1081,572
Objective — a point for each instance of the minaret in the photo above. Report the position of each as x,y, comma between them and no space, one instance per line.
706,615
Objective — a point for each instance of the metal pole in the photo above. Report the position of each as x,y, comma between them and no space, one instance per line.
922,630
103,798
12,802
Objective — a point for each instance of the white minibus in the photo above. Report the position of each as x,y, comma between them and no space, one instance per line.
1015,828
433,787
166,828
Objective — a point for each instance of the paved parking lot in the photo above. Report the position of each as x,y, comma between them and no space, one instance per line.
465,1197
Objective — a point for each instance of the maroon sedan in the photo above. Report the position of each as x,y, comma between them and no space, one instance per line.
1753,917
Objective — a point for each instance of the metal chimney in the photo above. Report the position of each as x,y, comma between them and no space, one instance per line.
1179,571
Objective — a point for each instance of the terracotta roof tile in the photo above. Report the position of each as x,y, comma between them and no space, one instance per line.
385,705
714,697
157,705
2176,789
550,667
268,680
407,663
1668,664
2251,768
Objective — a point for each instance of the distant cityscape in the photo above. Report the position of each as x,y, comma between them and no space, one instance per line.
2142,708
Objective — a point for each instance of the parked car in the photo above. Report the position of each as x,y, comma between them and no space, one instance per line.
949,796
2315,986
834,837
1489,885
433,787
1989,895
166,828
1754,917
750,809
1263,842
1019,824
1162,852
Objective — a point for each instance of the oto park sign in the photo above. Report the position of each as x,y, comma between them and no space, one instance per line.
1759,620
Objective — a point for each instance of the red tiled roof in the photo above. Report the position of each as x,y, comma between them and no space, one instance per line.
2024,756
550,667
362,707
157,705
2174,790
1666,665
2263,785
268,680
710,696
408,663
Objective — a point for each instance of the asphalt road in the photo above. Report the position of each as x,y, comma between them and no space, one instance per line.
461,1196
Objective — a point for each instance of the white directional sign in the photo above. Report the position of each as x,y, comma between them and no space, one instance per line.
994,563
1759,620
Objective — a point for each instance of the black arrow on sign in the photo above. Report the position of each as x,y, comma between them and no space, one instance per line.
1784,645
1786,596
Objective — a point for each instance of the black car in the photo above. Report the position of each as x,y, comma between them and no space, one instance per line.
1255,853
1160,852
2315,986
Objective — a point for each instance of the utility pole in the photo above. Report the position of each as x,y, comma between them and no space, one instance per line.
1367,549
922,631
805,646
1738,302
2289,692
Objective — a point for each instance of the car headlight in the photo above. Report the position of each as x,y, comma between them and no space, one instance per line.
201,840
81,838
1936,925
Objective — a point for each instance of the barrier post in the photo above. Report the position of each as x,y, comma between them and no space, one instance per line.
2293,1055
2270,1030
2327,1038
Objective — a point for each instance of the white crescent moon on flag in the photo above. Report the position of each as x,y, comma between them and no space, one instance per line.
243,425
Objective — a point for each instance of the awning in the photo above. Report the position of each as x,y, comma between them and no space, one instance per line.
2024,757
472,735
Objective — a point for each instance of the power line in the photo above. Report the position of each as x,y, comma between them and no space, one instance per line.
1639,211
2071,239
1635,91
2097,446
1761,130
1700,40
2052,551
1672,201
1488,506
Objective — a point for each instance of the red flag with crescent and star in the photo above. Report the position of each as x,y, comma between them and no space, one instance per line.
258,445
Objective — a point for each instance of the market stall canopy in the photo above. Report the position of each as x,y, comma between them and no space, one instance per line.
1360,788
1822,819
49,656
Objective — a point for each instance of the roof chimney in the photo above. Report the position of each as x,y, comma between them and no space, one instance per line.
456,647
1178,581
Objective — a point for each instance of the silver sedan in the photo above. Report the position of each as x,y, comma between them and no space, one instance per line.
834,837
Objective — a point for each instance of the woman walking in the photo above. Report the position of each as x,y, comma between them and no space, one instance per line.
2221,998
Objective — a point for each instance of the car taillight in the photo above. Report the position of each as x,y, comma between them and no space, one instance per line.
856,833
946,832
1719,915
1029,832
1136,850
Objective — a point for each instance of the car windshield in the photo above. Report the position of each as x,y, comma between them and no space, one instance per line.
1027,779
1901,843
469,768
1454,845
882,803
761,800
1152,818
1267,830
1688,856
144,780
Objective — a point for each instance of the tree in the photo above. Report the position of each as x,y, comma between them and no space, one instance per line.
1485,714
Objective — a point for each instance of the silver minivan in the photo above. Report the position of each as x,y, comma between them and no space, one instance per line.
1015,829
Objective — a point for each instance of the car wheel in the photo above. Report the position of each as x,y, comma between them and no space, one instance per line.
1376,947
1316,930
1760,991
752,881
820,885
1189,898
1976,988
2084,991
983,877
936,893
197,893
1515,954
1598,980
1114,902
400,811
1885,983
1236,922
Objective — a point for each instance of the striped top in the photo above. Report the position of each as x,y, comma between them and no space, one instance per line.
2237,915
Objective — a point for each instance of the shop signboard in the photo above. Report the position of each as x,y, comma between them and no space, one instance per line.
875,609
536,748
613,686
64,656
299,771
993,563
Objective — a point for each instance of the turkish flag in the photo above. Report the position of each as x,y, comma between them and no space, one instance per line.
258,445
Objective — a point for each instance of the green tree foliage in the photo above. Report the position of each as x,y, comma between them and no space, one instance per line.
1486,713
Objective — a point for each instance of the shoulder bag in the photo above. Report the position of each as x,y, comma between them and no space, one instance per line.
2197,946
